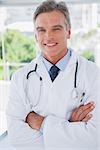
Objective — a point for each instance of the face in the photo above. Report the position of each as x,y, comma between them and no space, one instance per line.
51,34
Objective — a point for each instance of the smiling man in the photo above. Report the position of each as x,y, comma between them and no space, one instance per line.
54,100
52,32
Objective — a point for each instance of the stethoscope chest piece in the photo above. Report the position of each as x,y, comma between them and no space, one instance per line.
74,94
78,95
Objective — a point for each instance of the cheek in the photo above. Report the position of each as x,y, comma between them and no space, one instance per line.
63,38
38,38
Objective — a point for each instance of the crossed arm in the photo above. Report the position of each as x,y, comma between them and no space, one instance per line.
82,113
27,133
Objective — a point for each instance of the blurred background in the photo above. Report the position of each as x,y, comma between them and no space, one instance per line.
18,46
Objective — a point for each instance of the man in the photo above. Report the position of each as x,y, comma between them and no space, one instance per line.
51,102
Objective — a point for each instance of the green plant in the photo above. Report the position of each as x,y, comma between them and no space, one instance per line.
88,54
19,47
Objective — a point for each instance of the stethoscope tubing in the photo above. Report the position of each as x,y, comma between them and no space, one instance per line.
35,70
74,91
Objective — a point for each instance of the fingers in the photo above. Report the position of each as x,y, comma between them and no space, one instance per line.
73,116
82,112
85,111
87,118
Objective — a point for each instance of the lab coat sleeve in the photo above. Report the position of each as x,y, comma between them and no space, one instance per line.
19,132
60,134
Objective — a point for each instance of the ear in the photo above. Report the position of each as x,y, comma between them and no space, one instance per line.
35,38
68,33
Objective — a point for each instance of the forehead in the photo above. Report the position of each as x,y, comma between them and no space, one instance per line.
50,18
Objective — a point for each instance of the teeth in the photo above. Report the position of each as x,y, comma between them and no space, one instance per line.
51,44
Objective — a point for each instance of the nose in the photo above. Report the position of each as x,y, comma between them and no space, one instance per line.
49,35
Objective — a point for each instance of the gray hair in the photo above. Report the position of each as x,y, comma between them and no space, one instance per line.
51,5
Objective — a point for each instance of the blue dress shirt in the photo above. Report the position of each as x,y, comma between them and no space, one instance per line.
61,64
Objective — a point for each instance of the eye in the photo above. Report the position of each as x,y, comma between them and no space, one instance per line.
41,30
57,29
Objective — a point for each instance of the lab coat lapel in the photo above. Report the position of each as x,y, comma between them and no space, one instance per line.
42,107
43,72
59,94
69,71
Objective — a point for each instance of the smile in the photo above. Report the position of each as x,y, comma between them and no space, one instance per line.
51,44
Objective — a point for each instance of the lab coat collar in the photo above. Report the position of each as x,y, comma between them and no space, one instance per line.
72,60
42,71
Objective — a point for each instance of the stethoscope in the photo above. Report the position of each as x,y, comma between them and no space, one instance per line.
35,70
75,93
41,80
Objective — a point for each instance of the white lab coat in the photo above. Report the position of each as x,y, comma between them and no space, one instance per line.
54,101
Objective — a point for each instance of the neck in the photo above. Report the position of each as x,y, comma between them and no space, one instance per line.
54,59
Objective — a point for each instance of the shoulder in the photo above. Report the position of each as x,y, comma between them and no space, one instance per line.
89,65
22,72
91,70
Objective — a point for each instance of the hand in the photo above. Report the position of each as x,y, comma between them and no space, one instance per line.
34,120
82,113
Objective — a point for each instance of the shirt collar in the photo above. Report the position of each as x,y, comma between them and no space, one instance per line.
61,64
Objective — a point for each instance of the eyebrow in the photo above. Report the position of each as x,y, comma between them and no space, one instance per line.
39,28
55,26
